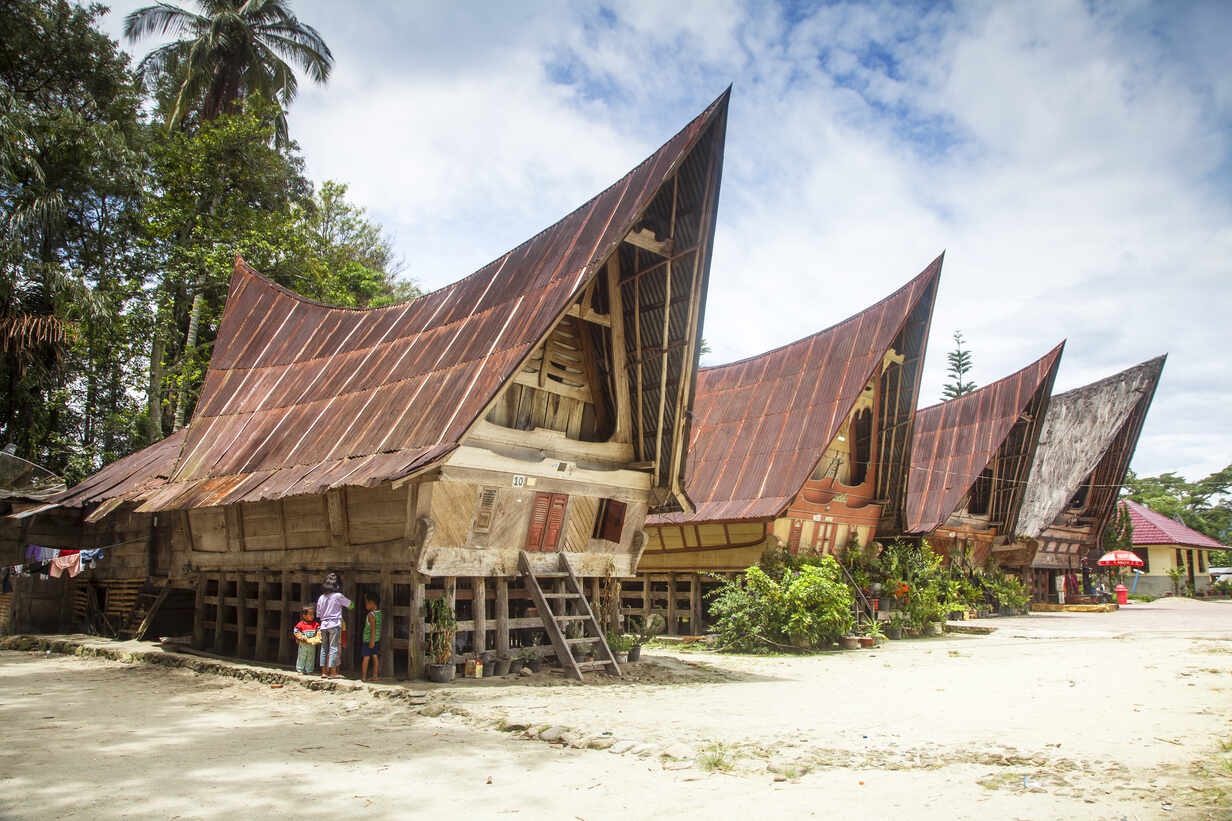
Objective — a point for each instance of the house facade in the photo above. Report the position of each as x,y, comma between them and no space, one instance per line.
1164,544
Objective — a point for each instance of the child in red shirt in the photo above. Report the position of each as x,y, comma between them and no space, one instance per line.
306,635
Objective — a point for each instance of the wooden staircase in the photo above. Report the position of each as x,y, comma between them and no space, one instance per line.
145,606
573,607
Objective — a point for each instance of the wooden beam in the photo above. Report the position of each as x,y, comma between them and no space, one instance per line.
588,314
502,616
620,373
335,511
354,631
667,316
539,383
640,444
645,239
479,613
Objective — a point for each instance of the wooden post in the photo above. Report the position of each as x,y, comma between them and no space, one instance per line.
198,639
415,648
698,627
258,648
620,369
479,612
387,605
502,616
666,343
241,616
354,631
218,621
671,603
284,628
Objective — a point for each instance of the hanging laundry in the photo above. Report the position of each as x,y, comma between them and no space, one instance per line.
6,586
38,553
71,563
92,555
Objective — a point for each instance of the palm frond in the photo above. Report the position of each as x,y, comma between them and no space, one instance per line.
161,19
315,63
25,331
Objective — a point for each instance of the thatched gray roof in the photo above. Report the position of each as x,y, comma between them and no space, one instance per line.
1084,428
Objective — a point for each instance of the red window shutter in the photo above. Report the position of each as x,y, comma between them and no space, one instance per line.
613,513
538,521
556,521
793,541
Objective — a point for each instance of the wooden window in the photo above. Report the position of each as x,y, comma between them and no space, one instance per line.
547,520
1144,554
610,520
1180,560
486,509
793,541
1201,561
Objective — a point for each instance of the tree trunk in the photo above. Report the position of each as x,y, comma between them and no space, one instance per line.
154,405
190,342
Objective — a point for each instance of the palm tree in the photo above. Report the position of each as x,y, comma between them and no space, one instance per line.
232,49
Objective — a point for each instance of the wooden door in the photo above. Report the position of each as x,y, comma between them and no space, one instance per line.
547,521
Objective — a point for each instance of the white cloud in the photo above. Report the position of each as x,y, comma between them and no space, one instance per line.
1072,157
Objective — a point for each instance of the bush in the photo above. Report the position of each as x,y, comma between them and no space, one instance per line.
809,606
1223,587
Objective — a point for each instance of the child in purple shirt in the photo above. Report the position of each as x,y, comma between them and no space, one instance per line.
329,613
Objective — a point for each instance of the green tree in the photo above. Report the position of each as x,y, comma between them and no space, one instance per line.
70,175
230,50
960,366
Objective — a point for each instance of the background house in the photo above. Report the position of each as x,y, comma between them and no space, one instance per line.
1164,544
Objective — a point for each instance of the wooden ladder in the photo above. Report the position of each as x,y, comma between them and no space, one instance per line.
567,591
145,607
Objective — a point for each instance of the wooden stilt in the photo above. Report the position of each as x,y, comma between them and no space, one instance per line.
671,604
479,613
353,623
241,616
416,645
218,612
285,620
198,639
261,641
502,616
387,640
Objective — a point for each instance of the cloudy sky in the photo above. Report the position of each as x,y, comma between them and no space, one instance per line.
1072,159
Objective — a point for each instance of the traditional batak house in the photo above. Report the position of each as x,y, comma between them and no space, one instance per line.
970,459
1165,544
518,423
805,446
1086,444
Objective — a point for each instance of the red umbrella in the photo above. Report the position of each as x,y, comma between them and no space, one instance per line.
1120,558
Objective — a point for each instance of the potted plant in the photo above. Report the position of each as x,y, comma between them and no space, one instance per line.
651,626
850,642
502,665
896,625
620,645
875,632
440,641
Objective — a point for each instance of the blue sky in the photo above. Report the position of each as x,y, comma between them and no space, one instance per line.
1074,159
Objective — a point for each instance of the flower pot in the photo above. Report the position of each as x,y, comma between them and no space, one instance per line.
440,673
934,628
956,615
489,665
501,667
894,632
621,658
635,653
876,603
850,642
867,641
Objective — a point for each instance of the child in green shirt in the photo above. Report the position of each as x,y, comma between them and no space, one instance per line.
370,647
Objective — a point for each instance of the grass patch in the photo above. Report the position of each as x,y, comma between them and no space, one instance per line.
715,757
1143,597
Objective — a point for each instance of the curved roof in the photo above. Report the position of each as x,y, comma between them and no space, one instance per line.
301,397
1151,528
954,441
1079,428
761,424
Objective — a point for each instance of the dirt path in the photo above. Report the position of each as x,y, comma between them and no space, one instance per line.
1102,723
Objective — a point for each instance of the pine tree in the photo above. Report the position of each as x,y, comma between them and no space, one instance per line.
960,366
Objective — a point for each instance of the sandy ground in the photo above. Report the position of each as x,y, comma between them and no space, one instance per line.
1103,716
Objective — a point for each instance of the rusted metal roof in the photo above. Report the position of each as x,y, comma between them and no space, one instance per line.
761,424
301,397
127,478
1080,430
954,441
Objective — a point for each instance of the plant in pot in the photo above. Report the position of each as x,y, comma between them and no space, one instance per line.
620,645
530,660
897,624
648,630
876,632
502,665
440,641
